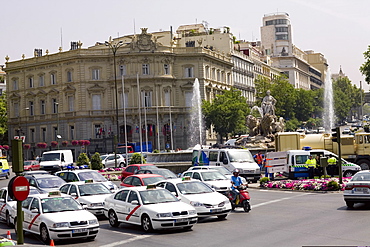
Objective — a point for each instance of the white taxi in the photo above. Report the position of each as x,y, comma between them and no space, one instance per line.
55,216
206,201
149,207
357,190
88,193
213,178
8,206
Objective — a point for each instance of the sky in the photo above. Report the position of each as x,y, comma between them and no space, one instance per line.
339,29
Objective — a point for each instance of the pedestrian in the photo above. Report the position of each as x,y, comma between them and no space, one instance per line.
332,164
311,165
260,158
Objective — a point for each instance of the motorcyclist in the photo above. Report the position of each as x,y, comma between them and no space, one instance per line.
236,181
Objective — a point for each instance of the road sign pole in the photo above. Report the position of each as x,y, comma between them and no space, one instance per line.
20,216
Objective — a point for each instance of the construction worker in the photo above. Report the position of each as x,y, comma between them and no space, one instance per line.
311,165
259,158
332,164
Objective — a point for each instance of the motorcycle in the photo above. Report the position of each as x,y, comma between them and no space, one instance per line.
243,199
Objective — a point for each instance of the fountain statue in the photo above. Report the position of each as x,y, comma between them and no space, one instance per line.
262,129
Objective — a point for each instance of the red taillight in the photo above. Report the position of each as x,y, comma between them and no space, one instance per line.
348,187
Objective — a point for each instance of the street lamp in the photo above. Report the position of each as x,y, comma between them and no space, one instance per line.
56,104
114,47
26,132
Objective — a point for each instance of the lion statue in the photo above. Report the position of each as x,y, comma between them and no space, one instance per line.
278,126
265,125
252,124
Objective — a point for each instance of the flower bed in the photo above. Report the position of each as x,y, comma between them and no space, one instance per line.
327,184
112,174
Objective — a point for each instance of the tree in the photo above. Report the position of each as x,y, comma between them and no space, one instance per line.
96,162
3,119
365,67
83,160
304,106
226,113
137,158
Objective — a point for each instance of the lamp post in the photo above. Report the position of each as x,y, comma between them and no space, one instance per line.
26,131
114,47
57,130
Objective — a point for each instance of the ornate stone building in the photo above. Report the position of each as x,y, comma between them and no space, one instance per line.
72,95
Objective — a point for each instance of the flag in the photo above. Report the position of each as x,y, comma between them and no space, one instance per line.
203,159
137,129
150,130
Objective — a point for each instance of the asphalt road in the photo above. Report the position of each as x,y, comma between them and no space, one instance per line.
277,218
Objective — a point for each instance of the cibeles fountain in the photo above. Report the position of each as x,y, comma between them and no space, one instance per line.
262,129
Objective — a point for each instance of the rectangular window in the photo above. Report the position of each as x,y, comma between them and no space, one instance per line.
166,68
98,131
72,132
41,81
15,84
43,134
96,102
32,135
16,109
71,102
189,72
145,69
53,79
122,70
146,98
282,37
32,110
30,82
42,107
55,105
188,98
69,76
124,100
96,74
167,101
281,29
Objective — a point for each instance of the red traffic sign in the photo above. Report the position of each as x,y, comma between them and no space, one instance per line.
20,188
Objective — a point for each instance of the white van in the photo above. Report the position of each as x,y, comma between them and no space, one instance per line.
296,160
231,159
57,160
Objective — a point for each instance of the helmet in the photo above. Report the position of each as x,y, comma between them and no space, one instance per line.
236,171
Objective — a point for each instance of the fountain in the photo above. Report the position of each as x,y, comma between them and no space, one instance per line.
195,130
328,115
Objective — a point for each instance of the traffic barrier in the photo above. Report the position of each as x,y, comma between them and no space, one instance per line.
52,242
8,235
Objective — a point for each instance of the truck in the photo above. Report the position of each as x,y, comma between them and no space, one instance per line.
56,160
354,148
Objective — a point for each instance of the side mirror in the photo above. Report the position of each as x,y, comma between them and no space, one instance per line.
73,194
135,202
34,210
225,161
2,200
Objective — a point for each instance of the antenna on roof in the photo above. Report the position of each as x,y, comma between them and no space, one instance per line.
134,26
61,38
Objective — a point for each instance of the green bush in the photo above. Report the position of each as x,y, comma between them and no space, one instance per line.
156,151
96,162
83,160
136,159
264,180
333,185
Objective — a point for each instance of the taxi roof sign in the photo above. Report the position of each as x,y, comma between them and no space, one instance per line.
54,193
151,186
186,178
89,181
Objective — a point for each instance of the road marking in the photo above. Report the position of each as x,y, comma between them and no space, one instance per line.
120,243
277,200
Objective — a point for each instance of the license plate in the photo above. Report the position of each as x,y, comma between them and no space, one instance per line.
361,190
216,210
181,220
79,230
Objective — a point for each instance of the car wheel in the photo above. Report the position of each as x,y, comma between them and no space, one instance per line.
222,217
232,206
347,174
246,206
30,169
364,164
121,164
7,218
350,204
146,224
113,220
44,234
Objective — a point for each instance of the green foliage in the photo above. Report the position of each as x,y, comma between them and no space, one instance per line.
136,159
292,125
226,113
365,67
96,162
3,118
155,151
83,160
333,185
313,123
264,180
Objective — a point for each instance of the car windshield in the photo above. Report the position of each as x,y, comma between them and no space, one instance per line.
361,177
93,189
103,157
165,173
50,182
157,196
193,188
213,175
240,156
152,180
51,157
91,175
27,163
222,170
59,204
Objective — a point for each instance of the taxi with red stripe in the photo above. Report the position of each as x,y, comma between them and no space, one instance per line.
152,208
55,216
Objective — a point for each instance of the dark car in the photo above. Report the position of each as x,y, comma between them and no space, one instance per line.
141,180
132,169
45,183
160,171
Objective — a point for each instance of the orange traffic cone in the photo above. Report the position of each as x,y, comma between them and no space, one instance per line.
8,235
52,242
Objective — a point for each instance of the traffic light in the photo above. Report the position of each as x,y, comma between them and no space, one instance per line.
335,133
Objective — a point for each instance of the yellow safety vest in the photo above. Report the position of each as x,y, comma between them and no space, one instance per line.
311,163
332,161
